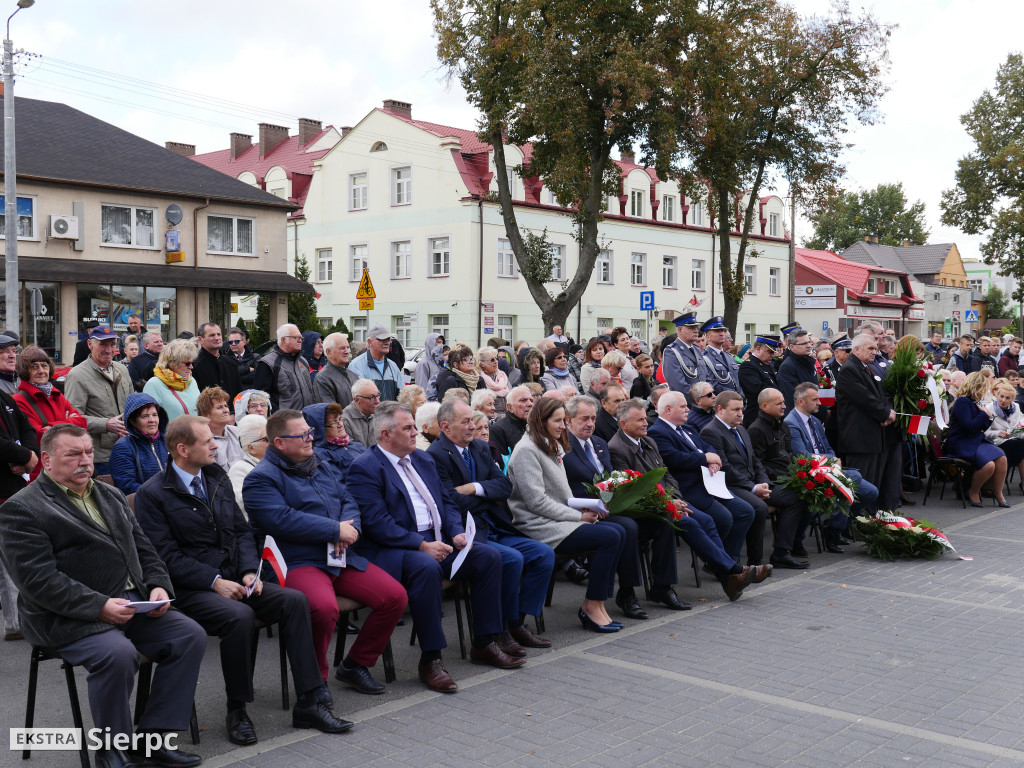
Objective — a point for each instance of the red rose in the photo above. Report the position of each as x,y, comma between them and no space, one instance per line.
922,404
829,492
921,374
676,515
801,475
802,462
808,485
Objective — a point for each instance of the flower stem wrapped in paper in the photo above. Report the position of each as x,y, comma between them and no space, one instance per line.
820,483
638,495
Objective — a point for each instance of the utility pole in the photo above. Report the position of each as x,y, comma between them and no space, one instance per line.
792,254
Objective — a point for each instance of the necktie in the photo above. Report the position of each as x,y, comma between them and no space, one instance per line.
197,489
421,489
468,458
818,447
736,434
686,437
591,456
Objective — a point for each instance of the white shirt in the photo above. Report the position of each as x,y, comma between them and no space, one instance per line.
424,522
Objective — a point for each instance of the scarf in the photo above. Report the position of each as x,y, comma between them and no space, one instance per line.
498,385
558,372
304,468
46,389
1003,414
339,441
471,380
171,379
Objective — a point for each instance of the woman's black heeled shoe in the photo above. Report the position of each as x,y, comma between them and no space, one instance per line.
593,626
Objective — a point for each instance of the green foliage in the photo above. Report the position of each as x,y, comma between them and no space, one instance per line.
259,331
998,305
906,384
338,327
302,306
988,198
536,261
889,544
882,211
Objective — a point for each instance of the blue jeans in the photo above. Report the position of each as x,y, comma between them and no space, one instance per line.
526,566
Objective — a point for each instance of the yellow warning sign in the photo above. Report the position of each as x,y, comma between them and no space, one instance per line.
365,287
365,304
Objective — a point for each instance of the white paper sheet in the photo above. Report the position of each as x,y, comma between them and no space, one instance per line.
594,505
145,606
335,562
252,586
470,535
715,484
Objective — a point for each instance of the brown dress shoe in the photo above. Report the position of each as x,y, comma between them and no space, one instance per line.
525,637
508,645
435,676
493,655
762,572
736,582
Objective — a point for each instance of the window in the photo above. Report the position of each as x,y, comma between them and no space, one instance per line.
698,215
358,191
324,265
131,226
510,176
973,284
605,322
401,258
750,278
557,262
636,203
551,200
359,328
935,296
26,217
506,259
638,269
956,298
668,208
401,186
506,327
749,333
403,331
890,287
379,146
440,257
277,192
773,225
439,324
668,271
637,328
603,267
774,281
325,322
357,261
230,234
774,329
870,286
697,281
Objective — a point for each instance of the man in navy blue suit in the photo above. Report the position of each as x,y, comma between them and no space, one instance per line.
684,452
468,472
412,529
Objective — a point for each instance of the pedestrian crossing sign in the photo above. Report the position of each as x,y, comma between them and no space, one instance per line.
366,287
971,316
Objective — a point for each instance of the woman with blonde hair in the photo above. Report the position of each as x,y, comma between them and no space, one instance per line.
495,379
968,423
1006,417
172,385
614,362
412,396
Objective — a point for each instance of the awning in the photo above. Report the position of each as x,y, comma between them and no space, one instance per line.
174,275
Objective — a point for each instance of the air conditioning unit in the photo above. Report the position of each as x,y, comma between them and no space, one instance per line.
63,227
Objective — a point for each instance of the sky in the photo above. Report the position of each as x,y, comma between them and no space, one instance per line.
145,66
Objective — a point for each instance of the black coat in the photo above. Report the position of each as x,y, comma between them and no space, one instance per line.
773,444
862,405
220,371
17,444
742,468
246,365
606,426
506,432
755,376
140,368
794,370
447,380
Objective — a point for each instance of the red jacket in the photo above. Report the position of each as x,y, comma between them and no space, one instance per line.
56,408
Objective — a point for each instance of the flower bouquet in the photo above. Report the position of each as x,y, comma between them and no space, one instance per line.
915,387
637,494
820,483
890,536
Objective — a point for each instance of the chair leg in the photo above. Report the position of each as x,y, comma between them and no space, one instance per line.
30,705
342,639
816,530
76,709
142,690
538,620
458,617
551,590
193,725
388,658
283,651
646,558
696,567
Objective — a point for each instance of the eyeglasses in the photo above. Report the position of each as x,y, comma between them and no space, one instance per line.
304,437
189,363
239,341
709,394
560,357
368,397
263,439
295,338
337,424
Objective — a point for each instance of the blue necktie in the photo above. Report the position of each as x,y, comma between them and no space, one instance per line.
687,438
467,457
197,489
736,434
587,449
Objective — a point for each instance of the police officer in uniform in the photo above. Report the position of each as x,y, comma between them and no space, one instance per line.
683,362
721,365
756,373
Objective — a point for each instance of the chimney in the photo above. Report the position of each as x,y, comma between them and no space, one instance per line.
403,108
270,137
185,150
907,243
345,130
308,129
628,157
239,143
871,239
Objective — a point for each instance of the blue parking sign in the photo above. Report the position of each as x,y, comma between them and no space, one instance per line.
646,301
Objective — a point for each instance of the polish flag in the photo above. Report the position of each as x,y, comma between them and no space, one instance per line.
918,425
318,296
273,555
827,396
695,302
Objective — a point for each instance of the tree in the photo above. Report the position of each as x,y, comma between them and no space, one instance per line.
260,331
997,307
765,95
882,211
576,79
988,198
302,306
338,327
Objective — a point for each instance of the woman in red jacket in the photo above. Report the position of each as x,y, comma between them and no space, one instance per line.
42,403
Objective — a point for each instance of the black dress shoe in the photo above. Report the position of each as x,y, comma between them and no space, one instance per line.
323,695
844,540
358,677
833,547
630,606
574,573
788,561
318,716
240,728
593,626
165,758
668,597
113,758
799,550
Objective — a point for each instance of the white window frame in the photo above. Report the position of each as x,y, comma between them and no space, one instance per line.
890,287
872,286
34,217
402,331
134,225
506,327
750,332
750,279
605,322
696,214
557,274
774,281
604,267
359,328
234,234
638,269
358,194
401,189
441,324
441,267
668,208
357,261
669,272
636,203
394,267
773,225
510,176
325,265
698,275
505,259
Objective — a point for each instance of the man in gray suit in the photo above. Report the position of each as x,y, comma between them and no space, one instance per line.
78,556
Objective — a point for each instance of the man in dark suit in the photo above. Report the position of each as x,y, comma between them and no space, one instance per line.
684,452
797,367
468,472
870,442
408,522
632,448
756,373
611,398
77,554
140,368
213,367
747,479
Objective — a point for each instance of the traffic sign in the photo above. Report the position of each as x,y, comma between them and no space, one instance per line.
646,301
824,325
971,316
365,304
366,288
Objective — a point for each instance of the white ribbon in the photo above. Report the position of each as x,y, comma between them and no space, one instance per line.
933,390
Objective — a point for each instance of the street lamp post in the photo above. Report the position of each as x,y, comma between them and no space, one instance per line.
13,285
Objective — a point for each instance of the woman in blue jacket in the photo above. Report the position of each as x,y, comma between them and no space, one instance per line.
331,443
966,439
141,453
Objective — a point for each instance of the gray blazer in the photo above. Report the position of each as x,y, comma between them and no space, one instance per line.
66,567
333,384
540,495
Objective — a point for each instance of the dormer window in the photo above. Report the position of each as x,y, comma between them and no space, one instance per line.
379,146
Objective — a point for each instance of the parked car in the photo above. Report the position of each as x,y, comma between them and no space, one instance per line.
412,355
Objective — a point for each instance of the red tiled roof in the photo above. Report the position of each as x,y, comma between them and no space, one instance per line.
852,275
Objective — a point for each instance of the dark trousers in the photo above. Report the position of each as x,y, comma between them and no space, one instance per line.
233,622
526,566
701,533
735,519
663,551
792,513
173,642
883,470
607,541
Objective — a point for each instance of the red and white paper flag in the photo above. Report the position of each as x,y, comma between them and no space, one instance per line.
918,425
695,302
273,555
827,396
